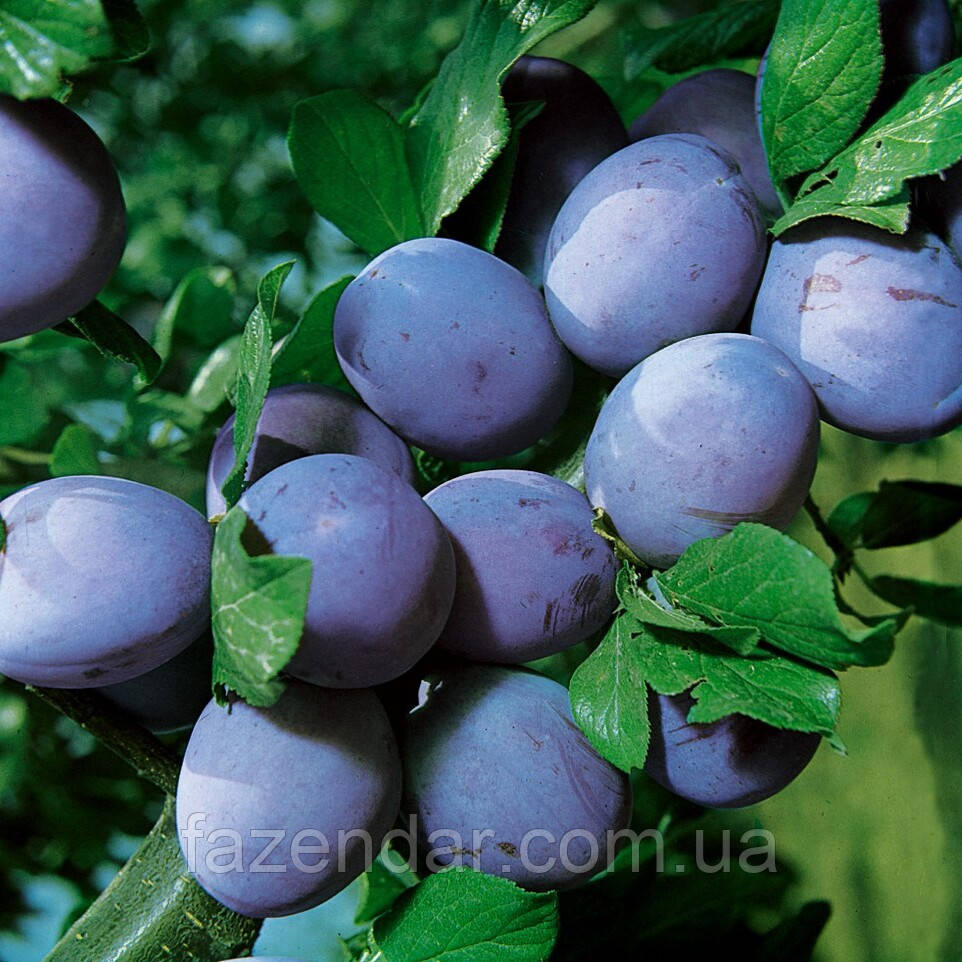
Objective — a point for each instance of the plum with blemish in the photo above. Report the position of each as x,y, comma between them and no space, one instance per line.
873,320
533,577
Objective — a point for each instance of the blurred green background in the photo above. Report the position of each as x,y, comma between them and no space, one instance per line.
197,129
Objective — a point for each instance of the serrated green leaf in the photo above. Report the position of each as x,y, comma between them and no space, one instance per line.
774,690
257,614
348,156
23,403
757,577
381,885
201,306
920,135
307,353
942,603
462,125
113,337
609,699
899,513
75,452
728,31
153,902
892,216
647,610
253,375
823,70
465,916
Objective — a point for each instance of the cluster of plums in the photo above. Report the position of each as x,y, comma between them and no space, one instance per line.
407,694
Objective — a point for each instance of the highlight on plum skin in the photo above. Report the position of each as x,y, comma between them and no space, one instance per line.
280,808
729,763
502,780
533,577
612,294
369,535
101,580
62,215
453,349
702,435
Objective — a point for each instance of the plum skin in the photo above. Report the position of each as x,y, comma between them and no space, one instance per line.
365,530
101,580
494,751
577,128
453,349
718,104
301,419
702,435
319,760
533,577
62,216
729,763
613,295
874,323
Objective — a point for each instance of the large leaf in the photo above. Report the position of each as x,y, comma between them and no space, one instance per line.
348,155
462,124
822,72
464,916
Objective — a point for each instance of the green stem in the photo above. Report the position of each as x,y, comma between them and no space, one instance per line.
150,757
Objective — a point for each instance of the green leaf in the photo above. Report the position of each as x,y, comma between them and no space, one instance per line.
609,699
153,902
728,31
23,404
772,689
942,603
647,610
201,307
891,215
757,577
113,337
307,353
381,885
348,156
465,916
462,125
258,605
920,135
899,513
823,70
75,452
217,376
253,375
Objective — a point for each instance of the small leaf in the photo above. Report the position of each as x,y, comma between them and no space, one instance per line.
462,124
253,376
823,70
729,31
757,577
892,215
307,353
113,337
609,699
348,156
465,916
75,452
899,513
381,885
258,605
24,408
942,603
201,307
216,379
